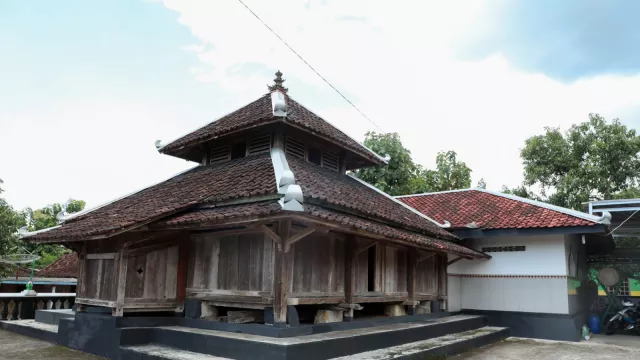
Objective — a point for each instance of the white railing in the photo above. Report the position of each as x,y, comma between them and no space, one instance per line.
14,306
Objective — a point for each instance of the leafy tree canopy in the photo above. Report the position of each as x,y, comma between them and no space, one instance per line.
594,160
402,176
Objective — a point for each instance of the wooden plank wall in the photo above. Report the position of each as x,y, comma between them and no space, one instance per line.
101,279
235,262
318,265
391,270
153,275
427,276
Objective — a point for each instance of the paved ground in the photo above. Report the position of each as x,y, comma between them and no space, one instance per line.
18,347
525,349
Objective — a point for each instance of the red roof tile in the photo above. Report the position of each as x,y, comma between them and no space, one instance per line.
259,112
249,176
323,186
489,211
65,266
268,208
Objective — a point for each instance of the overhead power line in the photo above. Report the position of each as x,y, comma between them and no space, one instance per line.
309,65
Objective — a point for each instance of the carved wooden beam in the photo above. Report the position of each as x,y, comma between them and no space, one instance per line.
455,260
297,237
271,234
424,256
365,246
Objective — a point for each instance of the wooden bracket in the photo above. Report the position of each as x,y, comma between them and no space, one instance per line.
455,260
297,237
424,256
271,234
363,247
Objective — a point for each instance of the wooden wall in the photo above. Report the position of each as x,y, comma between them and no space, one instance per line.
101,276
233,262
428,276
390,274
318,265
152,275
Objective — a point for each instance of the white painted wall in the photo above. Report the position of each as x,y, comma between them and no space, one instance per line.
454,294
530,292
544,255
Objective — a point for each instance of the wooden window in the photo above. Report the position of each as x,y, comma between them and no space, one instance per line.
259,144
238,150
220,153
294,148
314,156
330,161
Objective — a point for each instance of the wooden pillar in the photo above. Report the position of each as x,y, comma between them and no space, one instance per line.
350,252
121,269
412,271
281,275
81,280
184,248
442,278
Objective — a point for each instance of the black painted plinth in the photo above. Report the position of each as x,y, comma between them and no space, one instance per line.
559,327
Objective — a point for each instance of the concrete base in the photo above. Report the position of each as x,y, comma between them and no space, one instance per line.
536,325
394,310
52,317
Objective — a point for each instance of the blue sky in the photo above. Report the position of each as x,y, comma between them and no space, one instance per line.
86,87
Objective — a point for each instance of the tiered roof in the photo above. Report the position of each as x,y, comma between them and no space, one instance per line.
252,187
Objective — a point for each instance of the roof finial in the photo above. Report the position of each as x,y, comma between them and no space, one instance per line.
278,83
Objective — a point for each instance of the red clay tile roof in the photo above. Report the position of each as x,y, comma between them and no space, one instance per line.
489,211
249,176
259,112
400,235
269,208
326,187
65,267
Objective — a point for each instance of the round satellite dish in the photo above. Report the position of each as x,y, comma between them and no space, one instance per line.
608,277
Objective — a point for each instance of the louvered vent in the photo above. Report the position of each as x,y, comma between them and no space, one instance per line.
260,144
220,153
330,161
294,147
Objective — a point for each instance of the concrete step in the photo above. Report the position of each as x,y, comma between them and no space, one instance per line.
442,346
311,347
52,317
32,328
159,352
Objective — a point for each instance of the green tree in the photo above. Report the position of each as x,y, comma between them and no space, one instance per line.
402,176
45,218
594,160
10,220
397,177
520,191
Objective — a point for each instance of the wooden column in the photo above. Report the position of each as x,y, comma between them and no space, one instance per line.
183,262
121,268
412,271
350,251
80,283
281,275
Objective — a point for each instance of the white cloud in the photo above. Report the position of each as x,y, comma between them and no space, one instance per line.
393,59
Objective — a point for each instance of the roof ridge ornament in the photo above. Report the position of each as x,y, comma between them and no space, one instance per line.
278,81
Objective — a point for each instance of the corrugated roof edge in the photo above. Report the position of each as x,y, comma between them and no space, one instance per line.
578,214
349,136
443,226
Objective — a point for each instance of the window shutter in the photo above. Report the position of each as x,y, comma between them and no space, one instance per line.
294,148
330,161
259,144
220,153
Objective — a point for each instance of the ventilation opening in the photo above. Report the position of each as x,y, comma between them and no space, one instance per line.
371,267
259,144
220,153
315,156
238,150
330,161
294,148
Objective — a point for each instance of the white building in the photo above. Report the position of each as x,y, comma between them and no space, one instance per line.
532,282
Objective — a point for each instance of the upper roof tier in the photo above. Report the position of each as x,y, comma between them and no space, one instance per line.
261,113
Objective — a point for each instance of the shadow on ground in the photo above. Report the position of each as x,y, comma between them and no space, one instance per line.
18,347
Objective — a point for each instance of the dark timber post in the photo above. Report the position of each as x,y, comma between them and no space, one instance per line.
281,275
412,270
121,269
349,273
183,262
